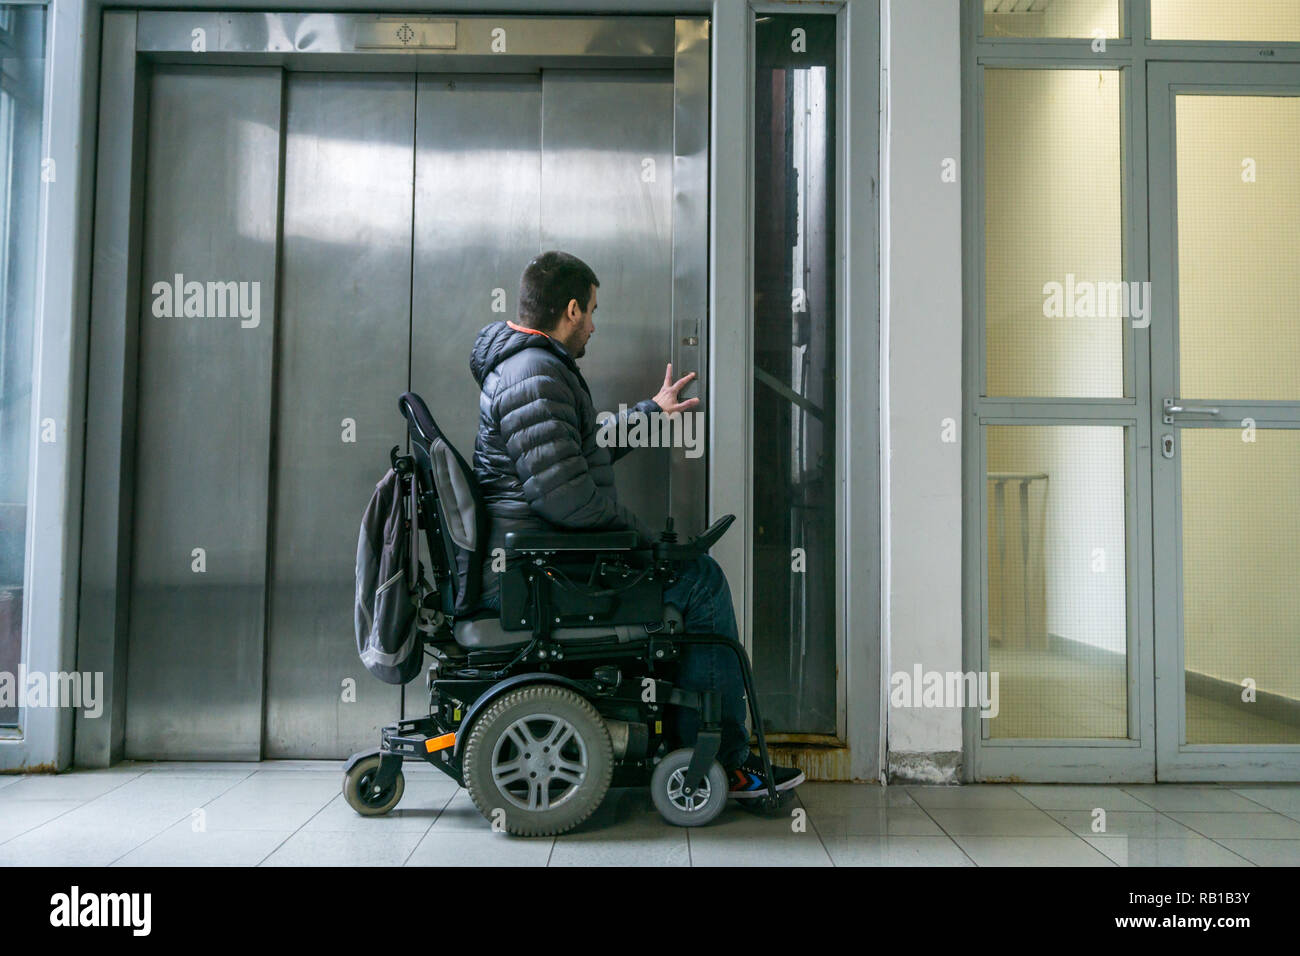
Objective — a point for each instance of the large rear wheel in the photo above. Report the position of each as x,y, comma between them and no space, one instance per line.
538,760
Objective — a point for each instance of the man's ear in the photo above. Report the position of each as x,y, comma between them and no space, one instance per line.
568,318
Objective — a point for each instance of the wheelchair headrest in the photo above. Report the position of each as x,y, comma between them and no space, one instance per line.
420,421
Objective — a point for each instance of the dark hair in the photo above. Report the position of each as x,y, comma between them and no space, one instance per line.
549,283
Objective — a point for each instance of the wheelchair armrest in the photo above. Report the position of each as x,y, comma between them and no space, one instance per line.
571,540
700,544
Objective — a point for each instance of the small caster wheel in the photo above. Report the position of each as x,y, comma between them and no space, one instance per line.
682,809
360,793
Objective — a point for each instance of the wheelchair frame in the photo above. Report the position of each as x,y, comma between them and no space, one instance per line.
463,683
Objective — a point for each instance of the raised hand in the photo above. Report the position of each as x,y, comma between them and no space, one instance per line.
667,398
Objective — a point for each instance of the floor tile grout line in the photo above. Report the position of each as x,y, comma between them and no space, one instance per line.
951,839
168,826
1221,787
326,806
277,847
1254,801
1104,856
1206,836
429,829
1161,813
1139,800
67,811
1231,850
1261,839
1067,830
818,834
1254,810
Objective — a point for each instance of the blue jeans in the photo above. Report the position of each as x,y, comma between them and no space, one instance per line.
702,596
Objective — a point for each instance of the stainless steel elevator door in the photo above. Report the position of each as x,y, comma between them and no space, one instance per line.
198,589
508,167
409,209
607,161
477,223
345,274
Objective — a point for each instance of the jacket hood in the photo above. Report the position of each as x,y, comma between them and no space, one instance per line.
498,341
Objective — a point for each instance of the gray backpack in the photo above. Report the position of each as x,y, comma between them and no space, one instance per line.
390,583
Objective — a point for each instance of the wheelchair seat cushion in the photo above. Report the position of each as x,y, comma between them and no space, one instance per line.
486,633
571,540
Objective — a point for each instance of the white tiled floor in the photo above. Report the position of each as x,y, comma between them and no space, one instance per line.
292,813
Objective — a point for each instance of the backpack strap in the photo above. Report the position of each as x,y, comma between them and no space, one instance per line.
427,619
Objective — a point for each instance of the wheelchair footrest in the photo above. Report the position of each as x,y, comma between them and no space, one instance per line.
416,738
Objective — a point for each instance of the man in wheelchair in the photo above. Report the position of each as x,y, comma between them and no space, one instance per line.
539,467
573,650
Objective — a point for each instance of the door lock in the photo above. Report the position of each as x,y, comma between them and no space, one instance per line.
1167,445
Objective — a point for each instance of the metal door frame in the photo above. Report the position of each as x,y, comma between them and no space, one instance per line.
1137,56
38,735
1056,760
132,41
1176,760
857,749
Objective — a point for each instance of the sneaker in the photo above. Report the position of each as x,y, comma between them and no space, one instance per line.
747,779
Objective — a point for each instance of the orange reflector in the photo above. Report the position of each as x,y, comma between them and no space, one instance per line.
442,742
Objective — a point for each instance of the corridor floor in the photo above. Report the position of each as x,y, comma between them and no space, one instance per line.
292,813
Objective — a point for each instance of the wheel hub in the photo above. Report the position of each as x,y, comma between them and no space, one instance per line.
540,762
688,802
370,791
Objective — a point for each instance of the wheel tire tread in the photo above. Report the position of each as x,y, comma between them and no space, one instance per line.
363,809
511,699
680,759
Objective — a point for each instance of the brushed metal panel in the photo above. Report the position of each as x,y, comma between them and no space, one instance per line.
195,665
477,214
298,37
406,33
102,617
607,197
342,362
689,474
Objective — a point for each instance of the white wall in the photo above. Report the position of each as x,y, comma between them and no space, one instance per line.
921,313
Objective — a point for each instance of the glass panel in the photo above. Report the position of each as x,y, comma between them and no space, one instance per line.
1057,604
22,63
1238,205
794,562
1241,607
1051,18
1269,21
1055,307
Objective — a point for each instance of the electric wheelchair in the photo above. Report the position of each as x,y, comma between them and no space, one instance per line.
538,709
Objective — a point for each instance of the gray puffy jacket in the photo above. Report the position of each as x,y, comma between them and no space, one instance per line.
536,459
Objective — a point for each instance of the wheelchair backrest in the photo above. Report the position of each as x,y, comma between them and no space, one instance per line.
452,511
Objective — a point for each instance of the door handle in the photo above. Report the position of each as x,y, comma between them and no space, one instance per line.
1172,409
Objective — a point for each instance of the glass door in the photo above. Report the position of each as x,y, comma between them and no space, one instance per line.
22,84
1225,335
